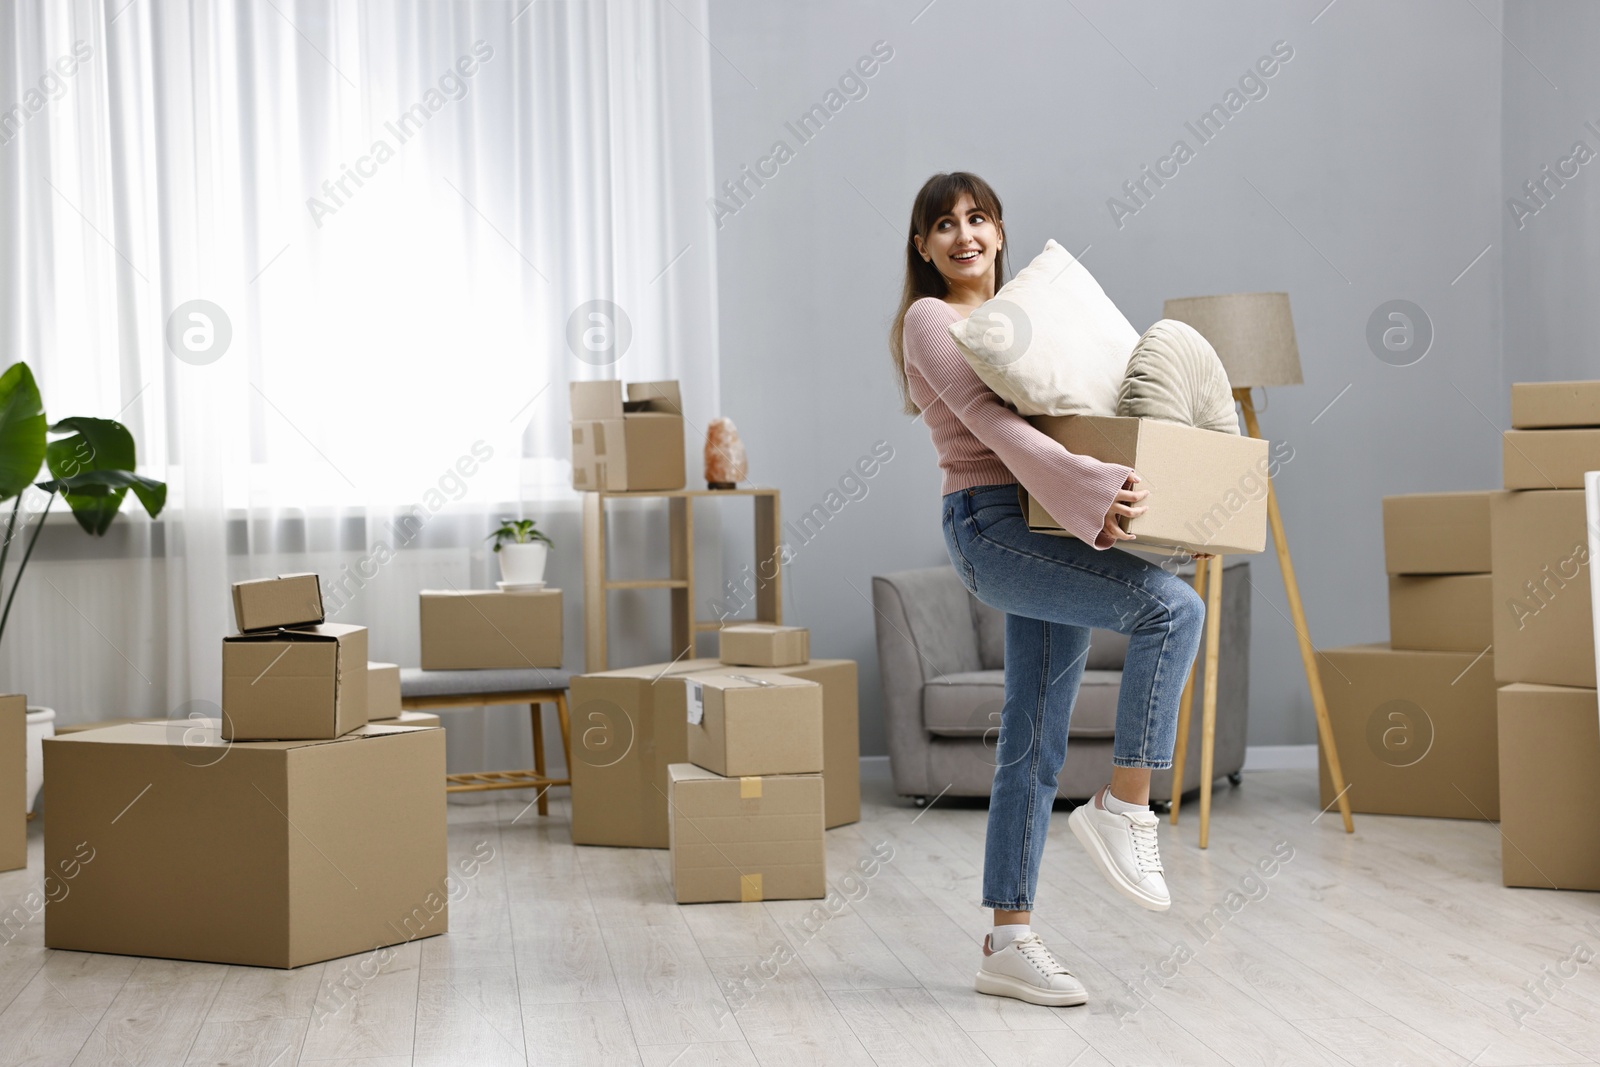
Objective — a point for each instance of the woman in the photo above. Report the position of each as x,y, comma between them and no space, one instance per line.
1052,589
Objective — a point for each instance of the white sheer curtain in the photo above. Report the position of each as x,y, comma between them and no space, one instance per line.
397,208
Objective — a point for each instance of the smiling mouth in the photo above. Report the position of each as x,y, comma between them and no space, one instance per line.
966,257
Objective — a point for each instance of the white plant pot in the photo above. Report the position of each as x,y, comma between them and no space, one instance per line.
522,564
41,724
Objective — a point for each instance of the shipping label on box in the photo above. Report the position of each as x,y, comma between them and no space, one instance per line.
763,644
632,444
1441,612
13,782
268,854
745,839
1545,405
1549,764
756,723
1549,459
1437,533
383,691
294,685
270,603
483,629
1208,490
1543,605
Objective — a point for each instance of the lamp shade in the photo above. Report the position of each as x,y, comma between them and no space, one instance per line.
1253,334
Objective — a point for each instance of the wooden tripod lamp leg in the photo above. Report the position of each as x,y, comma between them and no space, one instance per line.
1180,751
1308,655
1208,723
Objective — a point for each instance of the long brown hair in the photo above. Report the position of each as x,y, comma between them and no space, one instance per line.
935,199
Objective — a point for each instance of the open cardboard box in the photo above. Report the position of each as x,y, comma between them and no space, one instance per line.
632,444
1208,490
303,684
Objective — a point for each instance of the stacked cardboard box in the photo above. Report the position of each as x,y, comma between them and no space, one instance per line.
1545,639
1414,720
632,444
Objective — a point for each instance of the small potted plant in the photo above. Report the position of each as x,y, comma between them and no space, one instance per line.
522,549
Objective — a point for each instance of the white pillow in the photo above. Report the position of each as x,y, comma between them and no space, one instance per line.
1050,342
1176,376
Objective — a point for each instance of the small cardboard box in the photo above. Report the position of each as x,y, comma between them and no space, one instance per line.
1441,612
485,629
414,718
1416,731
629,444
1437,533
13,782
1549,763
268,854
307,684
628,725
1544,405
763,644
745,723
383,691
1543,614
745,839
1549,459
1208,490
841,735
270,603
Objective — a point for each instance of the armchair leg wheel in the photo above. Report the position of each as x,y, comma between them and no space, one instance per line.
1160,807
1235,778
919,801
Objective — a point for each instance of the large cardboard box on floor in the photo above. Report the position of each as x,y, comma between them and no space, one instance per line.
268,603
305,684
1208,490
763,644
1546,405
1441,612
1437,533
13,782
485,629
628,725
841,735
745,839
1549,459
629,444
1416,731
1543,614
744,722
1549,764
271,854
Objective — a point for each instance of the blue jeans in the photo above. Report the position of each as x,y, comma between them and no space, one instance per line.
1053,591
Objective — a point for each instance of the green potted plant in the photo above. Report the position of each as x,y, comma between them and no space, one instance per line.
91,464
522,549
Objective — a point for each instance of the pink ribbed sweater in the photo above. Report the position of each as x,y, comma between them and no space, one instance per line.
982,441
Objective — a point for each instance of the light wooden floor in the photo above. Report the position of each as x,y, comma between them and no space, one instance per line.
1396,946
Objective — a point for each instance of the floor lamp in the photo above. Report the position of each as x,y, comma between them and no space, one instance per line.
1253,334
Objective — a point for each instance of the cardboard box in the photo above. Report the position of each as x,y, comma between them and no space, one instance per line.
628,444
1416,731
269,603
745,839
484,629
1441,612
1543,614
13,782
1549,459
270,854
1437,533
415,718
628,725
305,684
745,722
1549,763
763,644
841,736
383,691
1208,490
1542,405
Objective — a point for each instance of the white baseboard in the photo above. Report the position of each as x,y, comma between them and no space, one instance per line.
1280,758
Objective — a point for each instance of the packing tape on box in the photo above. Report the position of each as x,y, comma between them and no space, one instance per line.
750,888
766,682
749,788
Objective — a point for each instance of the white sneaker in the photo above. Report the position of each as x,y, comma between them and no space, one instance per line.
1124,848
1026,970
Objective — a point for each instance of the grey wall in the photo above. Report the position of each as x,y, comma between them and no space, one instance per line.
1371,171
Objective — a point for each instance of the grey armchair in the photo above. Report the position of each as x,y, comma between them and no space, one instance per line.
941,654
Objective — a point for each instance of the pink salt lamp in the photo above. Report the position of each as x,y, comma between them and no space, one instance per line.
726,466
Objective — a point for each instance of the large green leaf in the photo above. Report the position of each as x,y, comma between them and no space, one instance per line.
22,430
94,469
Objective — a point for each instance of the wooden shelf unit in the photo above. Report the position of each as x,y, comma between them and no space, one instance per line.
680,553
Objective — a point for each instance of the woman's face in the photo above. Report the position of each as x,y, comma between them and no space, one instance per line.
963,244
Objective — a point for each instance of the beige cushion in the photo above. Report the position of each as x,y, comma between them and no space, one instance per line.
967,704
1175,375
1050,342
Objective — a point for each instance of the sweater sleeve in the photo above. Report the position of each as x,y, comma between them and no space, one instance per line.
1076,490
